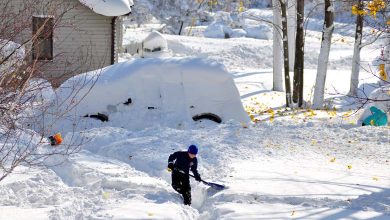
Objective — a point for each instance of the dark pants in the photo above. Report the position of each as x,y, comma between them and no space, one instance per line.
181,183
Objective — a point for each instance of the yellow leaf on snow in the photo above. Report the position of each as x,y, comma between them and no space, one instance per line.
333,160
375,178
349,167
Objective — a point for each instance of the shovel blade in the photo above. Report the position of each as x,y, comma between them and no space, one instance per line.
216,186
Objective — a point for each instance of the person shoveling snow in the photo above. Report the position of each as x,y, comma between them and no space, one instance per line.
179,163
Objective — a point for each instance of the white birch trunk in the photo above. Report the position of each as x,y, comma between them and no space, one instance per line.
277,48
356,52
323,58
355,67
292,27
322,68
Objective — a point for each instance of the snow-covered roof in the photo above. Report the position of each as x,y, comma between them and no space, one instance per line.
109,7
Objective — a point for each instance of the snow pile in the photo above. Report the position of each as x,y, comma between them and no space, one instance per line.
155,42
238,33
261,31
13,55
253,17
109,8
149,92
256,23
252,23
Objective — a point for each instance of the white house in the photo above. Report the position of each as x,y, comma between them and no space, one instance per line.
66,37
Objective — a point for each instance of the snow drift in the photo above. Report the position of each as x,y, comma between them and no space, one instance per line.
149,92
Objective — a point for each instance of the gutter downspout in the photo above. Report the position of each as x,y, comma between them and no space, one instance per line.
113,39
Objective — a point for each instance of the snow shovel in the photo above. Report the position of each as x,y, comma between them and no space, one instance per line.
215,186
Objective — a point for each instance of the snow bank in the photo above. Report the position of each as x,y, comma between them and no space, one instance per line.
149,92
109,8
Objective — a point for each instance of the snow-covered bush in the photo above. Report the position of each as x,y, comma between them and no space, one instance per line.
261,31
253,17
217,30
220,28
176,14
223,18
11,56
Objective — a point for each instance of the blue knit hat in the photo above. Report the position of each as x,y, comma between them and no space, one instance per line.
192,149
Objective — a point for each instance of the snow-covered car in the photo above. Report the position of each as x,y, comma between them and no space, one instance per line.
136,94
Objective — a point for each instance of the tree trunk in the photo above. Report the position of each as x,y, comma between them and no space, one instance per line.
356,52
299,55
277,48
285,54
292,27
323,58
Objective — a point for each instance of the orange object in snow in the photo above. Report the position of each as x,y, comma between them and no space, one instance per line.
382,72
56,139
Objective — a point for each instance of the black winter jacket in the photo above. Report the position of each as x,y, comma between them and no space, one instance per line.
183,162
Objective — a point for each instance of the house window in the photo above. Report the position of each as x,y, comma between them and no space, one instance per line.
42,48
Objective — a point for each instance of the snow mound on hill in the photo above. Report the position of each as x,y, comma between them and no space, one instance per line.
148,92
109,8
155,40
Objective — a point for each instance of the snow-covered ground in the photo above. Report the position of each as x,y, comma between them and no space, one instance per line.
296,164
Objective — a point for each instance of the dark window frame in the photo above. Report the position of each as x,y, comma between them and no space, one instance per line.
42,32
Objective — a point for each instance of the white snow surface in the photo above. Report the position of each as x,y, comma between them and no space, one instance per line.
109,7
295,164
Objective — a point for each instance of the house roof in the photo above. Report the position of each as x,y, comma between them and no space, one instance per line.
109,7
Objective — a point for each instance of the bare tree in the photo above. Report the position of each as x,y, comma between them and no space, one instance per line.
21,103
323,58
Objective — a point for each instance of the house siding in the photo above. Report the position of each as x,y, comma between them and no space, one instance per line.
82,39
